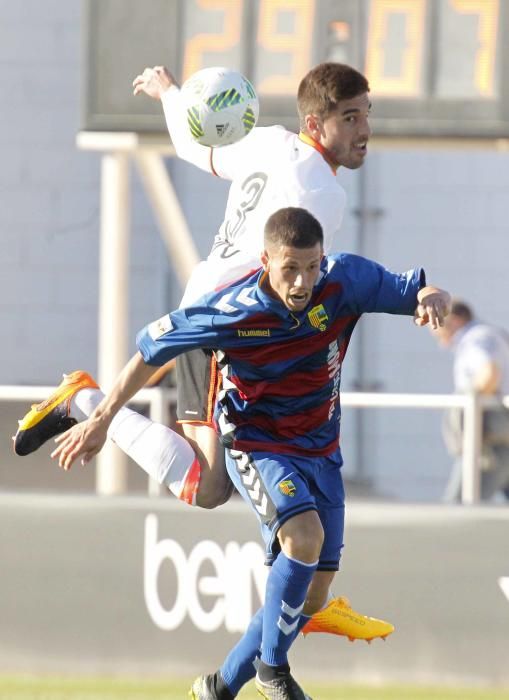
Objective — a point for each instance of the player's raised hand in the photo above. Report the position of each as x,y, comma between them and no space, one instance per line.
153,82
83,440
433,306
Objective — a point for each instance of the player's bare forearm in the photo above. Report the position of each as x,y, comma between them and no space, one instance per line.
433,305
131,379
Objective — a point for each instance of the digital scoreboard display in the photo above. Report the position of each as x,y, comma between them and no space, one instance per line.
435,67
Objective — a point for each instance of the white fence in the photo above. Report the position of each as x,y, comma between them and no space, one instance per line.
159,400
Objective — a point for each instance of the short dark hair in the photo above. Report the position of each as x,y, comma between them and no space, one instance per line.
325,85
462,310
294,227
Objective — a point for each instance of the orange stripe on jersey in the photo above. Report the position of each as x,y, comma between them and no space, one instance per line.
306,138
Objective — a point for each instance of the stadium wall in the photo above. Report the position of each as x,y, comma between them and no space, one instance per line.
128,586
442,208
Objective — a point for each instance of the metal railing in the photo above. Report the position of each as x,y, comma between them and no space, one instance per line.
159,400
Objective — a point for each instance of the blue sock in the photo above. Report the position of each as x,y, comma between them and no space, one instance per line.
240,665
285,595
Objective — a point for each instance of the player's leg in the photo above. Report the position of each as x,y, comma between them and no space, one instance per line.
192,467
293,534
318,594
198,381
292,571
241,663
161,452
215,486
329,614
238,668
300,538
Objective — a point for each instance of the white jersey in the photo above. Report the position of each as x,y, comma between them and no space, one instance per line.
271,168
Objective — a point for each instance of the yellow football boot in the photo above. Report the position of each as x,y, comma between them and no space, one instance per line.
339,618
52,416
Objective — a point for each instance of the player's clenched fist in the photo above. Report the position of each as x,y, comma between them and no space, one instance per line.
433,306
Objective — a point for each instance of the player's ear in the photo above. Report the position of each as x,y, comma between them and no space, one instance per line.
265,259
312,125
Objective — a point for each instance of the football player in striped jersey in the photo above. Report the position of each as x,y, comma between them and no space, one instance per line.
283,333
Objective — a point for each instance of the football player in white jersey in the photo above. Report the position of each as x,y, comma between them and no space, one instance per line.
271,168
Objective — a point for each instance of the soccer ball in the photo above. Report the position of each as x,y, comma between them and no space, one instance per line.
221,106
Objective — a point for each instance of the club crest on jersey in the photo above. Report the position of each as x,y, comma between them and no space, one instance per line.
318,317
287,488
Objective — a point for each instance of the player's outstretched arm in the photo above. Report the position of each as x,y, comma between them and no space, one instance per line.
157,83
84,440
433,305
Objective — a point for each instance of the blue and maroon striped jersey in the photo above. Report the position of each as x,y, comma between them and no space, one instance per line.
282,370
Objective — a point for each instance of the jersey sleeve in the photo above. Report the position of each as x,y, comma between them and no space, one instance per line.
176,121
374,289
178,332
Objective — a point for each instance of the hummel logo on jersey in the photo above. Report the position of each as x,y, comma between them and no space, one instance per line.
318,317
254,333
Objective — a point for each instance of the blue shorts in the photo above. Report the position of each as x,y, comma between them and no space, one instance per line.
278,487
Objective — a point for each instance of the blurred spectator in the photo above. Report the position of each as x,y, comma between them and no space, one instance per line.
481,364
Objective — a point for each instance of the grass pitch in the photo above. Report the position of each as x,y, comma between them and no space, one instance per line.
49,688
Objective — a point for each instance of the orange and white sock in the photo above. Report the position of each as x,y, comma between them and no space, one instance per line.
161,452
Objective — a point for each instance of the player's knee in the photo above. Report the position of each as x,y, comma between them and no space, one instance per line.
302,537
309,546
215,486
211,495
208,501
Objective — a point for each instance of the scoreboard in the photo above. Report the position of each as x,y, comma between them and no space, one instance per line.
435,67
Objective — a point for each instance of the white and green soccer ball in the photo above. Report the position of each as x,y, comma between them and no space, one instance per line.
221,106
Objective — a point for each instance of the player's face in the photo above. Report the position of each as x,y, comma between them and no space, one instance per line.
293,273
345,133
